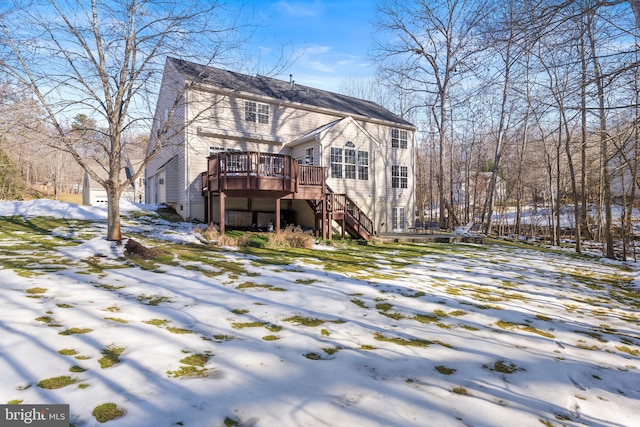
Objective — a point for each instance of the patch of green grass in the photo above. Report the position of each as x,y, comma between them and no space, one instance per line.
239,311
75,331
56,382
630,351
68,352
444,370
583,345
304,321
156,322
175,330
359,302
35,292
331,350
273,328
401,341
190,371
395,316
111,356
62,305
426,318
243,325
230,422
83,386
458,313
77,368
222,337
110,287
592,334
453,291
249,285
367,347
384,306
416,294
528,328
196,359
504,367
306,281
116,319
270,338
325,333
313,356
153,300
15,402
45,319
461,391
106,412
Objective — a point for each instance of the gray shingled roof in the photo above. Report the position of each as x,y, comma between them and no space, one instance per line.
284,91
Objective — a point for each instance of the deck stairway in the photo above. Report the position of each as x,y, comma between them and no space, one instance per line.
277,176
342,209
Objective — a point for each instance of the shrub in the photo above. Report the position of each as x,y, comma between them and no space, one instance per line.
210,233
292,237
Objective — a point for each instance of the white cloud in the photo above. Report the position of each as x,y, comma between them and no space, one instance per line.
299,8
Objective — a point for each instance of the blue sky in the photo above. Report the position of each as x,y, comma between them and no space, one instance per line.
331,39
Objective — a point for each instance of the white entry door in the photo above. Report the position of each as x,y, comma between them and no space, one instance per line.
398,219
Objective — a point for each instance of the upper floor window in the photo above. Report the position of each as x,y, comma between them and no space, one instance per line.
350,160
336,162
349,163
363,165
399,176
256,112
399,138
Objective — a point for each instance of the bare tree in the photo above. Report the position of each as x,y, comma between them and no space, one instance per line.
105,59
431,47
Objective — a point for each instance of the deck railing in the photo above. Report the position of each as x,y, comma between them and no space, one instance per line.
341,203
233,165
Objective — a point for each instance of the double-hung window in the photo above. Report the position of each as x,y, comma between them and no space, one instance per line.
336,162
256,112
363,165
399,138
308,156
350,160
399,176
349,163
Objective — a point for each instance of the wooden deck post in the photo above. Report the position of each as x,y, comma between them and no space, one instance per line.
277,215
323,209
222,208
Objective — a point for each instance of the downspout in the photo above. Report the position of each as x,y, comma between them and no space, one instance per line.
412,197
376,220
187,200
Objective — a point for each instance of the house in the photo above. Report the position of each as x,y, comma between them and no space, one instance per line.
253,151
94,194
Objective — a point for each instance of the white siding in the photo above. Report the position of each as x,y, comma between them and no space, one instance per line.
218,120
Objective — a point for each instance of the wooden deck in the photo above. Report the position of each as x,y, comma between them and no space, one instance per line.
280,177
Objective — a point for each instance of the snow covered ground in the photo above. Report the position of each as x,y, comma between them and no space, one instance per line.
378,335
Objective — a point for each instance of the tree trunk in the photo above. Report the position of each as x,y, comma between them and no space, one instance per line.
604,142
114,233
